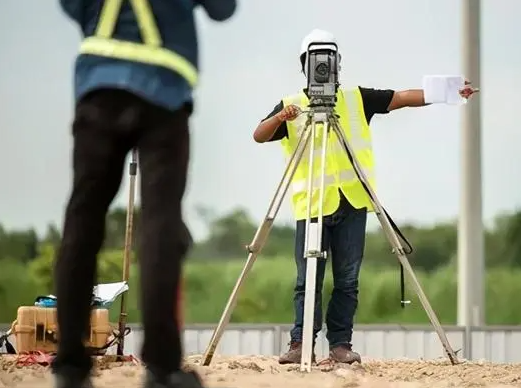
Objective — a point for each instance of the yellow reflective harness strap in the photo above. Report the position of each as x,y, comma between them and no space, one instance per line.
146,23
150,52
107,19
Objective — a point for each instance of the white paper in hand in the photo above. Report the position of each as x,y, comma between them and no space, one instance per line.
434,89
454,86
443,89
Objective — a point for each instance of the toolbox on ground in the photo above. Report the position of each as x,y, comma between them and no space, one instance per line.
36,329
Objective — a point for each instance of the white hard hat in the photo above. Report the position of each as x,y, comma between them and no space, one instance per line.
317,36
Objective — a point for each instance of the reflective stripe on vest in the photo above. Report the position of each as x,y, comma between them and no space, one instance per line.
339,170
149,52
343,176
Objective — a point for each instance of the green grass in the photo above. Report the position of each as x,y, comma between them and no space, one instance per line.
268,293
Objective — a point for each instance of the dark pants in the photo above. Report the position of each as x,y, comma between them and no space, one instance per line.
344,236
107,125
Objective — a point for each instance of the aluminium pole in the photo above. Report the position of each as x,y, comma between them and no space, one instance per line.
470,226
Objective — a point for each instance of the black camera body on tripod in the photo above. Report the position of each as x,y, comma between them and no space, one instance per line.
323,65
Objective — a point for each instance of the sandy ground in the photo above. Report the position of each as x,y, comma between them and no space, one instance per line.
265,372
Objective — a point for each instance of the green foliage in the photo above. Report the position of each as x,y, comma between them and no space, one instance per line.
26,263
434,246
41,268
268,292
19,245
17,288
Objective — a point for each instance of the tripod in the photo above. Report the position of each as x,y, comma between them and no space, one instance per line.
320,114
128,248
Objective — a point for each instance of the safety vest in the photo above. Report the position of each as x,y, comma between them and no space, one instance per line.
339,172
149,52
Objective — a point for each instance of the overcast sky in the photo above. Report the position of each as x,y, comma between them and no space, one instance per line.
248,64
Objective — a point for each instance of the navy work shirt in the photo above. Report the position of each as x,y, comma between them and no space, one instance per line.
158,85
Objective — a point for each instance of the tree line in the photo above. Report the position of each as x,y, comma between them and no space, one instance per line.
434,246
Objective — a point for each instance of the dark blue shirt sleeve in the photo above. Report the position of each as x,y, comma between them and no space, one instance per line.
73,9
218,10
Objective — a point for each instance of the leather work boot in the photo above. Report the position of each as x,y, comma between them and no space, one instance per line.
344,354
294,354
179,379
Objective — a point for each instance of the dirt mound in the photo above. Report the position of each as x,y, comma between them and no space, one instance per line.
265,372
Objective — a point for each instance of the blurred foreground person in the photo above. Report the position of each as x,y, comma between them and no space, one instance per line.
134,77
345,205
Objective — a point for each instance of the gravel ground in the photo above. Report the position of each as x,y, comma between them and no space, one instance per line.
265,372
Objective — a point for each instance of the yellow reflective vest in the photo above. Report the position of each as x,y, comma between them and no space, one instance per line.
339,172
151,51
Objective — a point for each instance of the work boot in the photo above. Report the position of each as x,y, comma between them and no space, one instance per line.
344,354
294,354
179,379
71,381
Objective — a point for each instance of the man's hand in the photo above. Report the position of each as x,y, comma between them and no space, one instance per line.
289,113
468,90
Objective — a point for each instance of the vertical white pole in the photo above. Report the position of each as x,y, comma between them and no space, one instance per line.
470,228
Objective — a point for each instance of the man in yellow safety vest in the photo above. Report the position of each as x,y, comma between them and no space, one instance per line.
345,203
134,77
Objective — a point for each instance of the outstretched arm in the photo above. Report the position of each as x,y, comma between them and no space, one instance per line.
415,97
407,98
